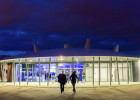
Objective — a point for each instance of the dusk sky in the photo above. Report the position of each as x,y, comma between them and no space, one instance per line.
52,23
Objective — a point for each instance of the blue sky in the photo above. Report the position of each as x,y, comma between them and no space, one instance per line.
52,23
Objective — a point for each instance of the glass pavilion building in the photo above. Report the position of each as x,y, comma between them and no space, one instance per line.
100,67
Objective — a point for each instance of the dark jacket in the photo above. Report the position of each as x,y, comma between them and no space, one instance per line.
73,78
62,78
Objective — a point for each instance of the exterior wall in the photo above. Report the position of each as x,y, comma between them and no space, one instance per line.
9,72
12,69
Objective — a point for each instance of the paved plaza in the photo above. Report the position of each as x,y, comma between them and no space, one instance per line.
125,92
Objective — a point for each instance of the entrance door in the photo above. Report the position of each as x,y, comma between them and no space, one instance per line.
89,74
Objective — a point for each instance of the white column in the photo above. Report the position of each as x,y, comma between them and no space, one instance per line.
5,71
118,71
14,71
99,72
19,72
72,64
139,69
26,71
107,71
39,71
127,71
49,72
131,71
57,70
93,71
122,72
110,71
1,71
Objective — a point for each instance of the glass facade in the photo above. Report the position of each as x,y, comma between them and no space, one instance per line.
106,69
67,67
33,72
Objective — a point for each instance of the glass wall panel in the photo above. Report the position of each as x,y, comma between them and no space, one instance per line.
125,72
89,73
17,72
114,72
103,72
31,72
44,72
96,72
23,73
61,65
121,74
80,74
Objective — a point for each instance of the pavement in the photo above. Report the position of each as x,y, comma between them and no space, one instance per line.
125,92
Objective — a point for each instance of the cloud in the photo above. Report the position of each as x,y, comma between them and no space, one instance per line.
55,22
12,53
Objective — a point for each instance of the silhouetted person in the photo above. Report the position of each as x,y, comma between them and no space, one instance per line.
62,80
73,80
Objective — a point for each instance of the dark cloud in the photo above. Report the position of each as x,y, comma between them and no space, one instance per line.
55,22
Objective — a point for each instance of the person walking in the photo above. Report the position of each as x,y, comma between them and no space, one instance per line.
73,80
67,76
62,81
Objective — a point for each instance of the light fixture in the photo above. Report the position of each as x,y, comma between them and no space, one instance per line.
77,59
61,64
60,58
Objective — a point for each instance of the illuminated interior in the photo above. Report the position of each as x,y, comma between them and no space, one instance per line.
96,68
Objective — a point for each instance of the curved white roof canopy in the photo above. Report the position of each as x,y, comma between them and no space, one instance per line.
71,52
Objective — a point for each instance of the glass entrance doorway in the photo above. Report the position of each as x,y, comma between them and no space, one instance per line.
67,68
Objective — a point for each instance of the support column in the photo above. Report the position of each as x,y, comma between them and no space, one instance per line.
72,64
118,71
131,70
93,71
39,71
107,72
49,72
1,71
26,71
35,72
110,71
14,71
122,73
99,72
32,73
5,72
57,70
127,71
19,72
